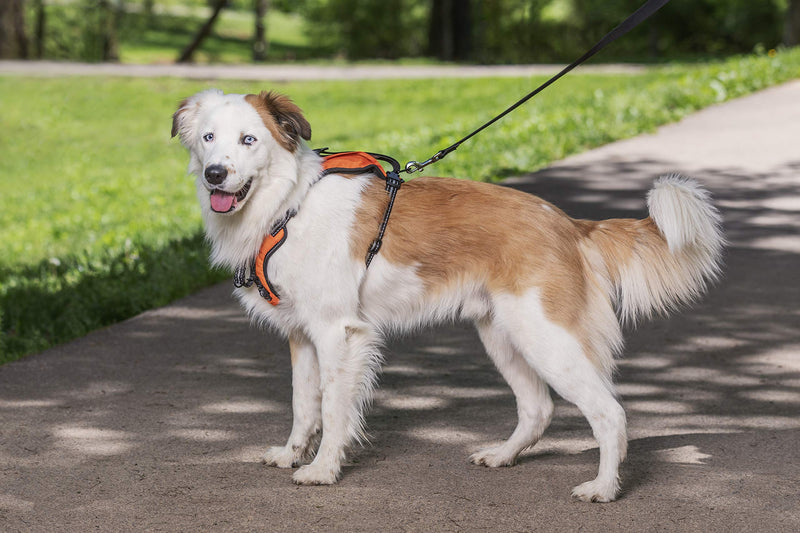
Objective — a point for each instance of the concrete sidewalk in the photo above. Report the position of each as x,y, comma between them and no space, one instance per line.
156,424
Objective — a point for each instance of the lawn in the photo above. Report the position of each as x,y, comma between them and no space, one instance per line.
101,221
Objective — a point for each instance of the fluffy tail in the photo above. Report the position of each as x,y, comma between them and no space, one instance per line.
665,260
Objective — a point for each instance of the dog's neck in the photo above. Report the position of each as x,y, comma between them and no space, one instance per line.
287,179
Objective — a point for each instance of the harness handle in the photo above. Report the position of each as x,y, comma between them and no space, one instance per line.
393,183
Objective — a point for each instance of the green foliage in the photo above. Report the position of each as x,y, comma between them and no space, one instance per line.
159,39
100,221
74,31
520,31
362,29
503,31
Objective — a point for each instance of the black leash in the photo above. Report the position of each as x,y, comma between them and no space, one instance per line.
393,180
639,16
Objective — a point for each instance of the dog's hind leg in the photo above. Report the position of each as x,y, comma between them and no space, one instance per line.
534,405
306,408
348,362
560,359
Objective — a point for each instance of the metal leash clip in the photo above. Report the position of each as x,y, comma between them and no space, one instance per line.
416,166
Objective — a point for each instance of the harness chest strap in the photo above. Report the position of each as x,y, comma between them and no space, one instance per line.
271,243
338,163
258,266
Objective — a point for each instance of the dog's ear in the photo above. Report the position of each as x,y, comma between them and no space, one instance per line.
283,118
184,120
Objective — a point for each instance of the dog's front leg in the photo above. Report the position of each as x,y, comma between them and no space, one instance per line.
306,400
348,361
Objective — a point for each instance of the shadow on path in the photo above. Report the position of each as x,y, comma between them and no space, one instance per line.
158,422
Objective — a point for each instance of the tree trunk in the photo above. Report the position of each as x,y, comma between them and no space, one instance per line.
791,35
13,39
462,31
38,37
108,31
204,32
260,43
450,30
440,37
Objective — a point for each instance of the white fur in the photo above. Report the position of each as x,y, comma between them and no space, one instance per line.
336,312
691,225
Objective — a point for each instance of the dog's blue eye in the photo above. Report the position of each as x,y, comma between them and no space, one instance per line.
248,140
208,137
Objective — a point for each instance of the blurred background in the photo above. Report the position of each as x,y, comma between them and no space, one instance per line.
471,31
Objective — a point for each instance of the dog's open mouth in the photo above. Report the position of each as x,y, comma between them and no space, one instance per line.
225,202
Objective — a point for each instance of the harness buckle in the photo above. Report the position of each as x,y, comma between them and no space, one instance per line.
375,246
393,181
239,279
264,293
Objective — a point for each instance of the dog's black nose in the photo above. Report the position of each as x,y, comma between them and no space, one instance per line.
215,174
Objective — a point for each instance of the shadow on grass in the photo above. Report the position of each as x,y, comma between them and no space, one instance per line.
172,33
47,304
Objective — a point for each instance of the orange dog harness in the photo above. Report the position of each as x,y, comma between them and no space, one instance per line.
337,163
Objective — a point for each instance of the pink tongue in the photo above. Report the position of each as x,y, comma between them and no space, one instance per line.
221,201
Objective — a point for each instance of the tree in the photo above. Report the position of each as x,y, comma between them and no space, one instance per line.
109,46
791,34
369,28
38,35
13,39
204,32
260,43
450,30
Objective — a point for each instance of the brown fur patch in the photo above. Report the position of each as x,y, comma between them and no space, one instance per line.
176,117
282,117
455,230
618,239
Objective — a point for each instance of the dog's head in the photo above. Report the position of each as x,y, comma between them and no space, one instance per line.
233,137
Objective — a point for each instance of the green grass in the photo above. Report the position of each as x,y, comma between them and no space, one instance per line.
100,220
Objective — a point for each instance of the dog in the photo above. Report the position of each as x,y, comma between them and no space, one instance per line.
547,293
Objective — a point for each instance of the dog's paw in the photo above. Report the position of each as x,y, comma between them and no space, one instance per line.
315,474
597,490
280,456
493,457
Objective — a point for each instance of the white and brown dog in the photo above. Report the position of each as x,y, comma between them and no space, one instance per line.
546,292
